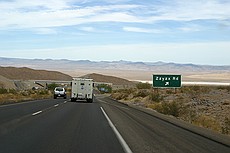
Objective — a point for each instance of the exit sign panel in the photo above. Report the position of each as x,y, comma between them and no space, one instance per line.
166,81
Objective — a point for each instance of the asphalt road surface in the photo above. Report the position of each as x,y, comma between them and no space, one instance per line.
60,126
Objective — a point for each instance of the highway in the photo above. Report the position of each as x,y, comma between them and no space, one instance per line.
105,126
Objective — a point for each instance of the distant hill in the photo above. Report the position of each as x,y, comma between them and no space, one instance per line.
124,69
64,64
108,79
8,74
24,73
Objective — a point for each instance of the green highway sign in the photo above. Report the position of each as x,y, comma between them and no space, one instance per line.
166,81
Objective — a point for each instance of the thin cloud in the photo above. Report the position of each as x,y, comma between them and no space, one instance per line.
29,6
88,29
183,10
141,30
40,13
67,17
45,31
192,28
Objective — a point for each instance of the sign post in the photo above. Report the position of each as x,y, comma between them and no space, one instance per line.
166,81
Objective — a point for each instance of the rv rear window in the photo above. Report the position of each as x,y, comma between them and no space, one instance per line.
82,84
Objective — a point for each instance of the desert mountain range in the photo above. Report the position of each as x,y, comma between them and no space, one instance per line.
118,65
124,69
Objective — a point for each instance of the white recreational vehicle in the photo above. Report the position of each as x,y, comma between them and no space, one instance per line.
82,89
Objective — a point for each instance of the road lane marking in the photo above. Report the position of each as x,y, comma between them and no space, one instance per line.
56,105
120,139
37,113
112,104
65,102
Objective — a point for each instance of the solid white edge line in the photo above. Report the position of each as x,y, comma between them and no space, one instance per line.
37,113
112,104
121,140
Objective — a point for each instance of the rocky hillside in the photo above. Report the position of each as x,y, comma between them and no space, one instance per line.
205,106
31,74
6,83
108,79
9,75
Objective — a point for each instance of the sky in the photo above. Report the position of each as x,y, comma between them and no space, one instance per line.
179,31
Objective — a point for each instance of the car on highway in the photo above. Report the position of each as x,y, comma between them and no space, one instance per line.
59,92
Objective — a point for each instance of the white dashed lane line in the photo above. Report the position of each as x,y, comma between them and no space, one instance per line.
36,113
